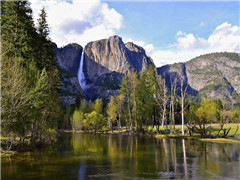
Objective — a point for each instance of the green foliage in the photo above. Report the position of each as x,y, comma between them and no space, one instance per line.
112,112
138,92
202,114
98,107
30,79
236,115
230,55
109,80
77,119
207,112
17,30
65,120
144,98
93,121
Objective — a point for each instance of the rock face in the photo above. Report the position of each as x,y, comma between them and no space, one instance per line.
107,60
215,75
69,57
109,55
68,61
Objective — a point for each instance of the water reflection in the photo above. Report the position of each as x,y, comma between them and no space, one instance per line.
86,156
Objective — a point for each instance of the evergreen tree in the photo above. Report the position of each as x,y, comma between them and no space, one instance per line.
17,31
128,89
46,56
35,104
145,99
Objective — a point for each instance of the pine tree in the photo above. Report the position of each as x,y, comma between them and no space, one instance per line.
29,87
145,99
17,31
46,56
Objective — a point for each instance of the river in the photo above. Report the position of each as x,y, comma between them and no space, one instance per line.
88,156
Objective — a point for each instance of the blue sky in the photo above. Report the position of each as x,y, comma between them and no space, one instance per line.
162,20
169,31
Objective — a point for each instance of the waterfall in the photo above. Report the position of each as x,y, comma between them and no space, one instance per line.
81,77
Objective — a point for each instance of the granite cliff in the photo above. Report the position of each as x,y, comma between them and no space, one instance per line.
215,75
104,64
68,58
112,55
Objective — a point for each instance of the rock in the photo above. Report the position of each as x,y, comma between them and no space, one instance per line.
215,75
68,59
108,55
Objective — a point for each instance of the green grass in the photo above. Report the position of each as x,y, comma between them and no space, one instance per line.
233,126
215,130
178,129
220,140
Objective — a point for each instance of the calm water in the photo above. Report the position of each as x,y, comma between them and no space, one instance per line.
83,156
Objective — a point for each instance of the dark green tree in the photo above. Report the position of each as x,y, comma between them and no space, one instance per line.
17,31
29,87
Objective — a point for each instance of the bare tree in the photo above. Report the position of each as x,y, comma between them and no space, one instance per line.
183,95
158,96
164,100
172,102
161,99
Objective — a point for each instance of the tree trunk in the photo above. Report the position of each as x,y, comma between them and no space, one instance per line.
111,126
173,117
182,117
163,115
130,117
119,122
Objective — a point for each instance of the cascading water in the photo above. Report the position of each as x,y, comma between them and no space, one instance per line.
81,76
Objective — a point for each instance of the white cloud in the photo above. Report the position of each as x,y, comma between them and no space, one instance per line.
224,38
189,41
78,21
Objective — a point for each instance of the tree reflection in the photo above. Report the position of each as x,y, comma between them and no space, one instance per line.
98,156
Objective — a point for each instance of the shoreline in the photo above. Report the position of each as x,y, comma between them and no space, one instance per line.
9,153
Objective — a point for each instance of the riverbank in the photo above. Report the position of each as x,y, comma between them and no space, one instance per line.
152,133
18,147
215,129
